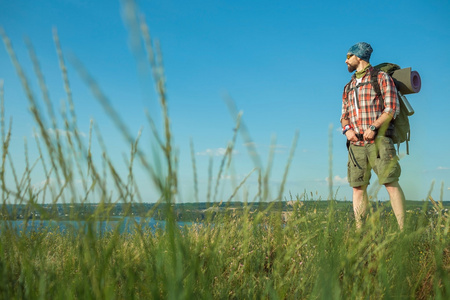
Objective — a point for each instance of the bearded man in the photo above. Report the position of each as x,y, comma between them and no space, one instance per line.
366,122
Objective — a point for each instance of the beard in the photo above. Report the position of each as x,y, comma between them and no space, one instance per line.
351,68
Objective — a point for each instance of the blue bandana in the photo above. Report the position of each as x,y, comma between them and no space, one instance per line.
362,50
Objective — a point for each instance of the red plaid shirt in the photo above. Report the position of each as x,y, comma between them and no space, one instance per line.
368,107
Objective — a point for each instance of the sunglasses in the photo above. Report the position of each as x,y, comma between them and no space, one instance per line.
349,55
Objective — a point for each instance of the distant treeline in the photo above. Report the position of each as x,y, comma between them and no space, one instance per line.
183,211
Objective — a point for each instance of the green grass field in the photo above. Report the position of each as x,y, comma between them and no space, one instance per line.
307,254
302,252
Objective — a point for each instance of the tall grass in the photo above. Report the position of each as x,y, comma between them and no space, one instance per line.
301,253
312,255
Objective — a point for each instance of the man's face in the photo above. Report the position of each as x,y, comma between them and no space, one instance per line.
352,62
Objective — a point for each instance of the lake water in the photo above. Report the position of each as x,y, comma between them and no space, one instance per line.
124,225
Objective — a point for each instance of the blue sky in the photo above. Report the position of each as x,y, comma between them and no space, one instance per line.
282,62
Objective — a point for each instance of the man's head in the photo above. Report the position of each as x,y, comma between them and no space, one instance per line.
362,50
357,55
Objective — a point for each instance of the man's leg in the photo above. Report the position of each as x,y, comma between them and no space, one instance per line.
360,204
397,201
359,177
388,170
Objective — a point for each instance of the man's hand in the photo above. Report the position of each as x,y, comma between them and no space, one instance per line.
351,136
369,134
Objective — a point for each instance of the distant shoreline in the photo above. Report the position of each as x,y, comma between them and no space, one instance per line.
183,211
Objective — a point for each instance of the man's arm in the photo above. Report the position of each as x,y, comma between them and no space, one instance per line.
391,106
350,134
382,121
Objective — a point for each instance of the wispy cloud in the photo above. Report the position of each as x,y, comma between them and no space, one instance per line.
337,180
43,183
275,148
443,168
279,148
231,177
215,152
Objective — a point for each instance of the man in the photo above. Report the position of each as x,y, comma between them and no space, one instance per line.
365,122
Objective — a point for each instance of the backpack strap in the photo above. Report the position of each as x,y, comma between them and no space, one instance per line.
374,81
347,88
374,84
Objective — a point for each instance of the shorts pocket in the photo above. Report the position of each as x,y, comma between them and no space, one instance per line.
388,167
386,149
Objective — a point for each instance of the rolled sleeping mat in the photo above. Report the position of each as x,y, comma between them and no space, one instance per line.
408,82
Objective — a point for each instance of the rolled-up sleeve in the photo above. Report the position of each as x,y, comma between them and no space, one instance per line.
345,108
388,89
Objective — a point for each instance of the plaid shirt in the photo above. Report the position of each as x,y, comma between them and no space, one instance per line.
368,107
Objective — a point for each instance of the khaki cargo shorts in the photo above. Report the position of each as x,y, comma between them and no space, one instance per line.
379,156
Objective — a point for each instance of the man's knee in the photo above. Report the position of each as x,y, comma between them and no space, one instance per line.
361,188
359,191
393,183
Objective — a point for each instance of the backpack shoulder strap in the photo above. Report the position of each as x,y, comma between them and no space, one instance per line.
374,81
347,86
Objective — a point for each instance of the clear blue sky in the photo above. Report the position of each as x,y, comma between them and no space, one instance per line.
281,61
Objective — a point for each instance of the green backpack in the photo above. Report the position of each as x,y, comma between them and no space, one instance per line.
402,130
